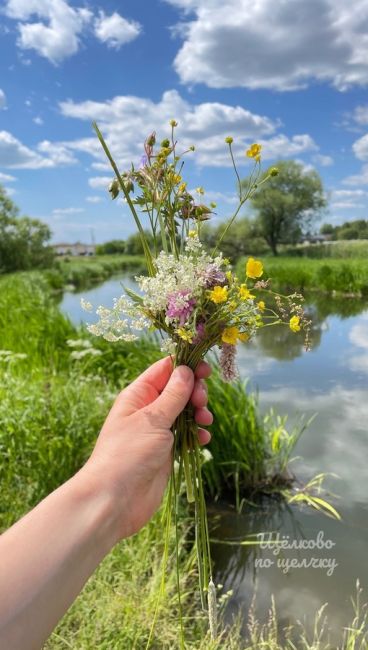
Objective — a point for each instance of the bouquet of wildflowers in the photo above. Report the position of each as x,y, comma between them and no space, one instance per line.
191,296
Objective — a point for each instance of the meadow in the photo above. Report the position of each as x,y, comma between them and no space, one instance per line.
56,388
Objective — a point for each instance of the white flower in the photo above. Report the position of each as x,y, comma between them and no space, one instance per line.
87,306
168,346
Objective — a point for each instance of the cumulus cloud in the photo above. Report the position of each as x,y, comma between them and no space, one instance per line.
2,99
57,36
57,28
16,155
99,182
115,30
127,120
360,115
6,178
360,148
324,161
358,179
268,44
344,199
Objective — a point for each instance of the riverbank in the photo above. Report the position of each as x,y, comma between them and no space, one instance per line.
82,272
348,276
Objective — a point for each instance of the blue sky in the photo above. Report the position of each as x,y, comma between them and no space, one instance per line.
289,74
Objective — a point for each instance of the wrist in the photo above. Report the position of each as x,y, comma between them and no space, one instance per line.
99,505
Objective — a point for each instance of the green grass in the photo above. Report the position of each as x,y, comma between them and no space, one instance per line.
347,276
335,249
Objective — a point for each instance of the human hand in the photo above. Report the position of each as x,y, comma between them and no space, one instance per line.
132,456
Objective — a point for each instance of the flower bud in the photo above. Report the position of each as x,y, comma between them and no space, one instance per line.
274,171
192,148
151,140
229,139
165,143
114,188
173,123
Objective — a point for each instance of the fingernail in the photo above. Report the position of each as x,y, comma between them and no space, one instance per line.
183,372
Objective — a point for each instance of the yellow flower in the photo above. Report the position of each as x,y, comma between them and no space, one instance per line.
294,323
254,268
229,275
218,294
261,306
244,292
199,190
192,233
230,335
176,179
182,188
184,334
254,151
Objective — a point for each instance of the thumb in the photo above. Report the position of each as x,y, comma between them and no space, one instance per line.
174,396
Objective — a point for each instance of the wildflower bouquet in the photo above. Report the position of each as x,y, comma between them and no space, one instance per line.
191,297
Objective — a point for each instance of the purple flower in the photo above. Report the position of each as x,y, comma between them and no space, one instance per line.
180,305
213,276
201,332
143,161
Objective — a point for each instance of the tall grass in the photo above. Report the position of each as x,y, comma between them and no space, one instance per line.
348,276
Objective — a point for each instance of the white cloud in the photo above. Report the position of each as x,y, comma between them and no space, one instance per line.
2,99
277,45
6,178
115,30
70,210
344,199
126,121
324,161
360,115
56,29
358,179
360,148
38,120
57,37
14,154
57,153
94,199
100,182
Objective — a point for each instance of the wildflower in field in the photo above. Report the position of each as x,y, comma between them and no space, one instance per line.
218,294
254,151
244,293
254,268
294,324
184,334
180,306
232,334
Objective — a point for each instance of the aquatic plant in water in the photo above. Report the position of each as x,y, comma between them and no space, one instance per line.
193,299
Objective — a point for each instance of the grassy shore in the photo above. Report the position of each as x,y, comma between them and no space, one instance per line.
347,276
82,272
52,405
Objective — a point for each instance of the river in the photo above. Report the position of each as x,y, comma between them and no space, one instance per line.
330,381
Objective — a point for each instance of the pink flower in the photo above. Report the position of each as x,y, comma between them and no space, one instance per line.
213,276
180,306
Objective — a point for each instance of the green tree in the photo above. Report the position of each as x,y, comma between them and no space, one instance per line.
113,247
288,204
243,238
23,241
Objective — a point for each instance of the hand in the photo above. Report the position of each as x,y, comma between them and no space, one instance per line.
132,456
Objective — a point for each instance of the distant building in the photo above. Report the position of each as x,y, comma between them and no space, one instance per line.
74,250
306,240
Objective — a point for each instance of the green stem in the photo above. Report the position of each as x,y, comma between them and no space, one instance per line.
146,248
